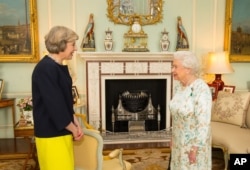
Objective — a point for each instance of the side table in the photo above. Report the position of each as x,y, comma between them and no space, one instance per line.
24,131
27,132
9,102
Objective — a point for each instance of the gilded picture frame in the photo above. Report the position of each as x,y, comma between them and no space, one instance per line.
237,30
229,89
75,94
214,90
19,31
1,88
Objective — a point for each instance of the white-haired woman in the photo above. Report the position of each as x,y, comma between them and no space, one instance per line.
55,125
190,108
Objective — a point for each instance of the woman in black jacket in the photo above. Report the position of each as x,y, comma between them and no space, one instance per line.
55,125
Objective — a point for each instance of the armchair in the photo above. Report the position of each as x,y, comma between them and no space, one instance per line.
88,153
83,120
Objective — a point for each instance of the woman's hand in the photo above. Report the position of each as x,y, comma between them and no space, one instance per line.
192,155
75,130
79,134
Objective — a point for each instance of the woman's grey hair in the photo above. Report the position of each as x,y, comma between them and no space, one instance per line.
188,60
58,37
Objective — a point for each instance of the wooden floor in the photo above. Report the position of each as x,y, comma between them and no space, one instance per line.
14,148
19,148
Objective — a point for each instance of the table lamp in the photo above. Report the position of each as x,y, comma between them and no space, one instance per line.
218,64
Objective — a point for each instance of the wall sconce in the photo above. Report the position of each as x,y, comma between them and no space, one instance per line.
218,64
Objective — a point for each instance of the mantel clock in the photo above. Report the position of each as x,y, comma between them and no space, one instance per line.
135,40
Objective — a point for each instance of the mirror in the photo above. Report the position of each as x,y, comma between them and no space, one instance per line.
124,11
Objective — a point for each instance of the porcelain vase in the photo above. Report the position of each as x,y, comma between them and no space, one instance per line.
28,115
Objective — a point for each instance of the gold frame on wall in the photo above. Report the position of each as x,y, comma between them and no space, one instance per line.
10,50
114,14
228,46
214,90
227,88
75,94
1,87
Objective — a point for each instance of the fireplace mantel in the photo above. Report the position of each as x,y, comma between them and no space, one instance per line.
101,66
126,55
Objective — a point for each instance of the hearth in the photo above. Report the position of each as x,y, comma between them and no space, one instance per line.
127,106
142,71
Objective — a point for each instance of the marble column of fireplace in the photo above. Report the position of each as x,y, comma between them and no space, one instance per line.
113,65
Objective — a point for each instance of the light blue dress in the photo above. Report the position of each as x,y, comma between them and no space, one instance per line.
191,113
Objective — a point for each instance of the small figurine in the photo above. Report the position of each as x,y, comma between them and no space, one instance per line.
108,42
88,42
182,39
164,41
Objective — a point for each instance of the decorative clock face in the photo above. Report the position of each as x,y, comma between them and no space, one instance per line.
136,27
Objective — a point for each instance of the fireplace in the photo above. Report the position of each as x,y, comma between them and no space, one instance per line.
154,89
109,74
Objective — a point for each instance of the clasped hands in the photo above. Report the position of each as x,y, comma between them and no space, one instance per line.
79,134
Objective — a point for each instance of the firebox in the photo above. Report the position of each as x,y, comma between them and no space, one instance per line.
140,100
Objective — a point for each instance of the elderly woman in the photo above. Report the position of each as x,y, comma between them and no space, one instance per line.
54,122
190,109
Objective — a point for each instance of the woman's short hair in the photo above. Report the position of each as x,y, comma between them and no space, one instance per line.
58,37
188,60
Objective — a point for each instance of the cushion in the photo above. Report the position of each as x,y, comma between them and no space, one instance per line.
231,108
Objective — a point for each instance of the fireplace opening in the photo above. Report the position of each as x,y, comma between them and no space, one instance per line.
155,88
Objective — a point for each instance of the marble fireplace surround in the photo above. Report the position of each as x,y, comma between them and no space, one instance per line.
101,66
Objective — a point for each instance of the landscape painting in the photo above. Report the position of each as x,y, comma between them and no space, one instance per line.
237,30
18,31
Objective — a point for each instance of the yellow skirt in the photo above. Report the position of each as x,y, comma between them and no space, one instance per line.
55,153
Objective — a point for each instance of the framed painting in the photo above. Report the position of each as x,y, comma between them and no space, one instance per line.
214,90
237,30
75,94
1,87
18,31
229,89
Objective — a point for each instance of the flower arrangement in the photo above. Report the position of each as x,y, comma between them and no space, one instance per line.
25,104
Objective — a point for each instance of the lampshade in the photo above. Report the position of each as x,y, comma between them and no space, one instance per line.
218,63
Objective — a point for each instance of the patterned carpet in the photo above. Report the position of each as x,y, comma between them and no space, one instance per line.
16,164
158,159
148,159
141,159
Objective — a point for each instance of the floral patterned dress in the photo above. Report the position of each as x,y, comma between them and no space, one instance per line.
191,113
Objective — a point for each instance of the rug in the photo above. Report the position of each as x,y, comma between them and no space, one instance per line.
158,159
141,159
16,164
148,159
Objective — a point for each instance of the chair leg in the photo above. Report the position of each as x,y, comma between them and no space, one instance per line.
226,158
29,153
225,153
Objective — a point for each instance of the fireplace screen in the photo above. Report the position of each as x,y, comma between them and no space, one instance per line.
141,103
